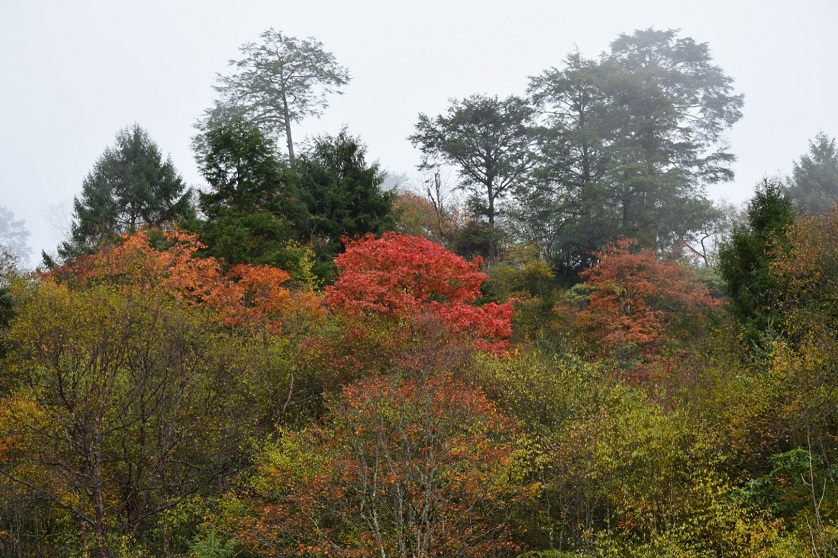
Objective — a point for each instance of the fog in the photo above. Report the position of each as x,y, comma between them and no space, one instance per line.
75,73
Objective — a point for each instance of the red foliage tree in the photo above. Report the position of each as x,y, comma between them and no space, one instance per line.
401,468
638,298
403,276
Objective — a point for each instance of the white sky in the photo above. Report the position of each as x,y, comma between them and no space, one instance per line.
75,72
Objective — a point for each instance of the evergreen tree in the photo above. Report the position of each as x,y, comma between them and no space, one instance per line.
488,140
813,185
252,212
745,260
343,195
628,143
130,186
13,238
280,80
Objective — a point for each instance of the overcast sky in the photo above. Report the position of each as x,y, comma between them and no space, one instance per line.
74,73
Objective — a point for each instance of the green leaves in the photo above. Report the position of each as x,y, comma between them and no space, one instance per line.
130,186
487,139
253,212
745,260
813,184
343,195
279,81
626,145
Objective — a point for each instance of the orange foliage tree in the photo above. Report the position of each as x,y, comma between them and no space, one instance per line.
400,468
245,295
637,298
403,276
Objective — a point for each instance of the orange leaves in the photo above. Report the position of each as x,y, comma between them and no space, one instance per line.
136,264
429,459
244,296
636,297
403,276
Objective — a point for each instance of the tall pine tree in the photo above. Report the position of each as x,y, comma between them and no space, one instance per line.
129,186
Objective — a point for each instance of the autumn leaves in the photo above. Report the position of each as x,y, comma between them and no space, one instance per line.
145,374
157,400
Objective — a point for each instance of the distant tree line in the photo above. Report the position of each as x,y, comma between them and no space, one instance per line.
600,148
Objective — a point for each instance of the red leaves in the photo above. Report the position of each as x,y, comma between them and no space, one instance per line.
403,276
636,296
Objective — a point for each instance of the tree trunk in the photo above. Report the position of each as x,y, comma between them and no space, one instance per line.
287,118
491,212
97,484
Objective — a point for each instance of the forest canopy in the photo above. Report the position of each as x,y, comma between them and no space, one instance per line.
583,356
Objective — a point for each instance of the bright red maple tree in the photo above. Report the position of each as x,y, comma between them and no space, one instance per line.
403,276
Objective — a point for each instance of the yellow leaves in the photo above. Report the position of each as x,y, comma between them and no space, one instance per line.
808,276
542,392
18,414
800,382
429,457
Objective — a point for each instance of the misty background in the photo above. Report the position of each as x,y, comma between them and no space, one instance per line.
75,73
